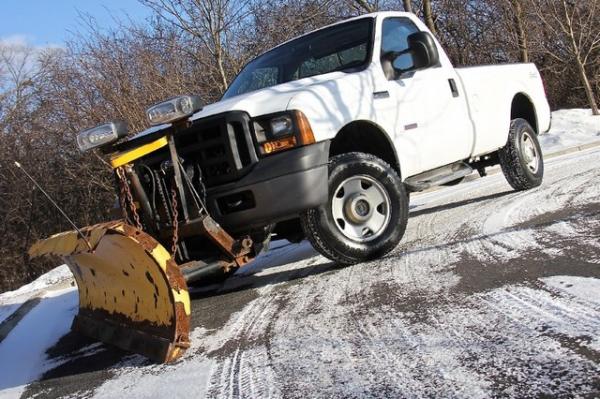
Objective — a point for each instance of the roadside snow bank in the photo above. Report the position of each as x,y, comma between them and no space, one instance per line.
23,356
571,128
55,279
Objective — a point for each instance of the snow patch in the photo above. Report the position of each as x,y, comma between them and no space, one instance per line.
586,289
571,128
23,352
281,253
53,277
7,310
185,379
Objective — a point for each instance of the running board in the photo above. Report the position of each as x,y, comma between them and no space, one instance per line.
438,177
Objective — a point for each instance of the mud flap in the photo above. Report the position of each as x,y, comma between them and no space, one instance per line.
131,293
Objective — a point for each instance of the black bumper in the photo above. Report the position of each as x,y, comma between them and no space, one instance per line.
279,187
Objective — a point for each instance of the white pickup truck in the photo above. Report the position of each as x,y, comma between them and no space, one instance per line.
325,137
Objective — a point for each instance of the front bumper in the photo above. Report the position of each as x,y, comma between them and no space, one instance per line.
279,187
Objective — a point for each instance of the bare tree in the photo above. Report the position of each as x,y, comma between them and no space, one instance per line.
472,32
520,28
16,74
365,5
573,36
407,4
276,21
211,22
428,16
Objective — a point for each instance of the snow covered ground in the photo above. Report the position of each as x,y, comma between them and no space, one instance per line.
10,301
571,128
491,293
22,352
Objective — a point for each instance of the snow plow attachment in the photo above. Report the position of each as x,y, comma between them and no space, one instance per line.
131,293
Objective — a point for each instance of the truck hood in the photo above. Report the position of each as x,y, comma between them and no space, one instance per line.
266,101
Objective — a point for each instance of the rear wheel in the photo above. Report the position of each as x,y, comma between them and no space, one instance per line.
521,159
366,214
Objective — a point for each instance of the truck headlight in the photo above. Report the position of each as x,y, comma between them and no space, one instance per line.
282,126
101,135
279,132
173,109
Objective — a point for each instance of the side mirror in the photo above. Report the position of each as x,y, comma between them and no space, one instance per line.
424,51
421,49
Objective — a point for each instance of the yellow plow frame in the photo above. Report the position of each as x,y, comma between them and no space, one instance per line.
132,294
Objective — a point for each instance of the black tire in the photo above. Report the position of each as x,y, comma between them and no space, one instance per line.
321,228
521,171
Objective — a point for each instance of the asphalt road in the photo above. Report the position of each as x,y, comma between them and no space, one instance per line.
492,293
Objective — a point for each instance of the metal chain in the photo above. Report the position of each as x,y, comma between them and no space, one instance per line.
126,192
163,197
175,221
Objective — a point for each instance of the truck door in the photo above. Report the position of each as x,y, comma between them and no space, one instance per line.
427,107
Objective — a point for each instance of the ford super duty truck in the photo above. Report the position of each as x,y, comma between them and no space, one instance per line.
326,135
322,137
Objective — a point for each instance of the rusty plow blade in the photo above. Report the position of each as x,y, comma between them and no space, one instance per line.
131,293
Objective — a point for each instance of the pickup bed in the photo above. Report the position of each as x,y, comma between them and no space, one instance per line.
326,136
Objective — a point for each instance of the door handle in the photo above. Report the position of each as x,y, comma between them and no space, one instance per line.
453,87
381,94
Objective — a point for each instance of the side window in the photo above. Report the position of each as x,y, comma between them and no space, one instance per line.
394,37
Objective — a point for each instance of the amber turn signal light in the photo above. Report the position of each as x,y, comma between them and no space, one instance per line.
279,145
306,134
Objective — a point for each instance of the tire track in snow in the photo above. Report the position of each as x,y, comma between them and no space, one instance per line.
535,316
237,380
488,219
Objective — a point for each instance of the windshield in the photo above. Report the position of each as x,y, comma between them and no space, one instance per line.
341,47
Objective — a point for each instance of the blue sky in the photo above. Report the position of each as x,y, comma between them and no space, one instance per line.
48,22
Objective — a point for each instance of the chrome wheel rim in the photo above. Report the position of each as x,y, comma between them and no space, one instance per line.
361,208
530,153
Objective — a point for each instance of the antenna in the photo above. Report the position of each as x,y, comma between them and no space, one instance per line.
19,166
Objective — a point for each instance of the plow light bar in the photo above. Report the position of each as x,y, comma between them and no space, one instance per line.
101,135
173,109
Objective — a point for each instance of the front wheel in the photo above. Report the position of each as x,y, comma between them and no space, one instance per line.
521,159
366,213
